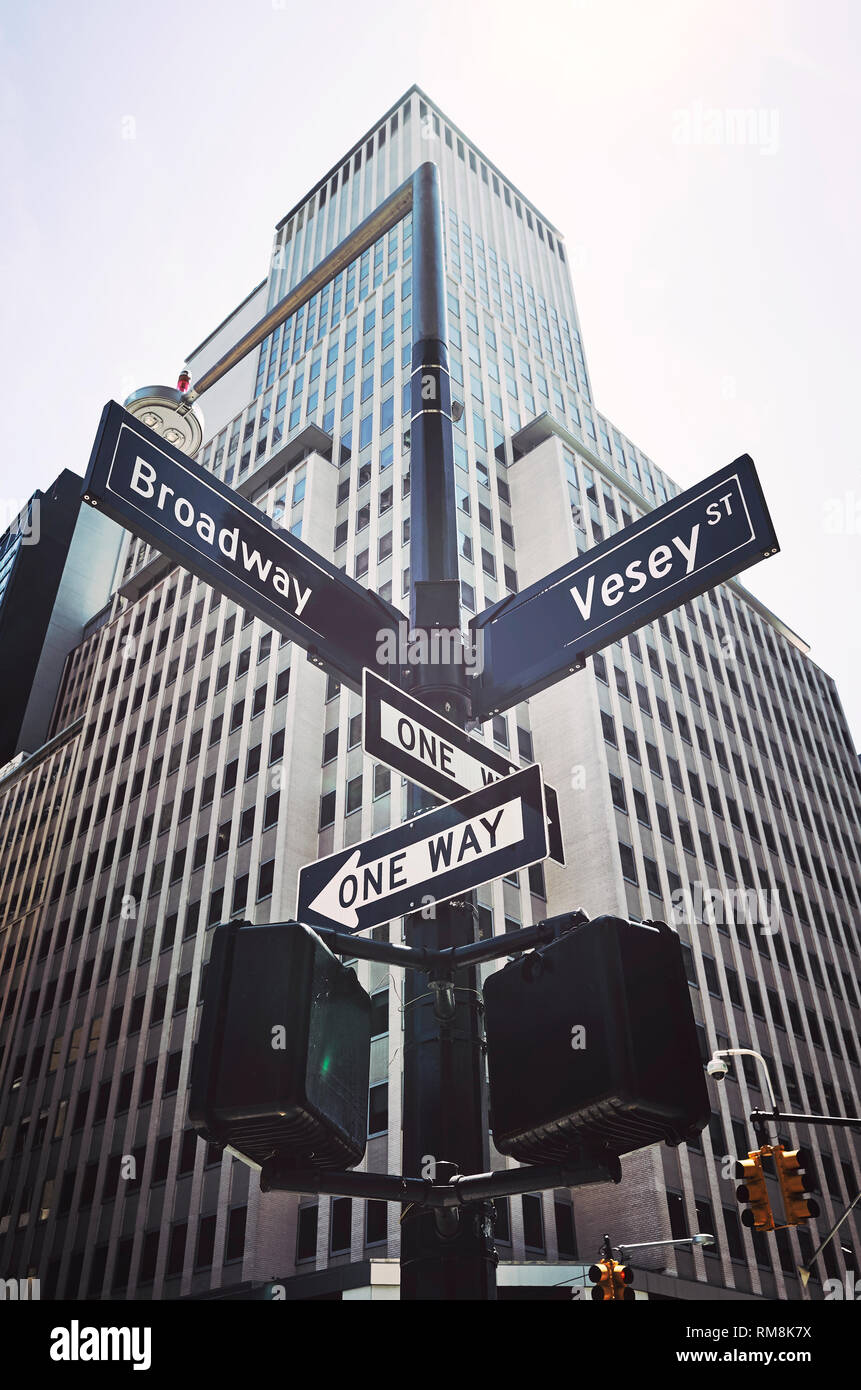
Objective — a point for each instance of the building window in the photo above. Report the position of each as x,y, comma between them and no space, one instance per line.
678,1219
340,1224
354,795
536,880
176,1250
240,893
533,1222
379,1013
378,1109
148,1257
629,867
266,879
502,1221
205,1243
705,1222
376,1222
734,1241
306,1234
566,1245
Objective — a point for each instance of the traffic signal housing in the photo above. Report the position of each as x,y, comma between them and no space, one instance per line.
757,1215
592,1044
601,1275
796,1175
282,1061
623,1278
612,1281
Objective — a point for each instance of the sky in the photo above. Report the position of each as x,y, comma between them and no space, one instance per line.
147,152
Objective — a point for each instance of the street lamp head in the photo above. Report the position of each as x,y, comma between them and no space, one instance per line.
702,1238
168,411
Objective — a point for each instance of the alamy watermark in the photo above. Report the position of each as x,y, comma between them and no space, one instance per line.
20,516
439,646
77,1343
842,515
755,127
19,1290
756,907
836,1288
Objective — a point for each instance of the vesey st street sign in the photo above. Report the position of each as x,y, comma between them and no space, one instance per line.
428,749
160,494
693,542
446,851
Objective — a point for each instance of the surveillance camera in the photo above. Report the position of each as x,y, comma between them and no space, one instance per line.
457,409
717,1068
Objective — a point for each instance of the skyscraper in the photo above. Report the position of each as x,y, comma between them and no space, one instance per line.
57,562
195,760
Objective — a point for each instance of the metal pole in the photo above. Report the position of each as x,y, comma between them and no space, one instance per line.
381,220
513,943
762,1117
804,1270
456,1192
444,1254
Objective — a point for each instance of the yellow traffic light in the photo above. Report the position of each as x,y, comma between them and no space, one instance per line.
752,1190
602,1277
795,1175
611,1281
623,1278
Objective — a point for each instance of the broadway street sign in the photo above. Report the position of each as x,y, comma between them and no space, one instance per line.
691,543
430,750
146,485
482,836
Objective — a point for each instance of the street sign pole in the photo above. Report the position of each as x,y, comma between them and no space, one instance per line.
444,1254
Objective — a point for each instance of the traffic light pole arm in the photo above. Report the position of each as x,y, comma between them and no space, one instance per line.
459,1191
700,1238
763,1117
421,958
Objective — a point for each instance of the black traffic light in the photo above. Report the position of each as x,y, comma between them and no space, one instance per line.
752,1190
282,1060
591,1043
797,1176
612,1281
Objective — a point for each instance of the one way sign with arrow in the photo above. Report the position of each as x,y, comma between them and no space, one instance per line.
430,750
481,836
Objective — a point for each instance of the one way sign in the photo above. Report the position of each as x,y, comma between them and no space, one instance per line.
430,750
481,836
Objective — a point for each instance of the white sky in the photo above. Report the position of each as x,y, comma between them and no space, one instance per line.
718,284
